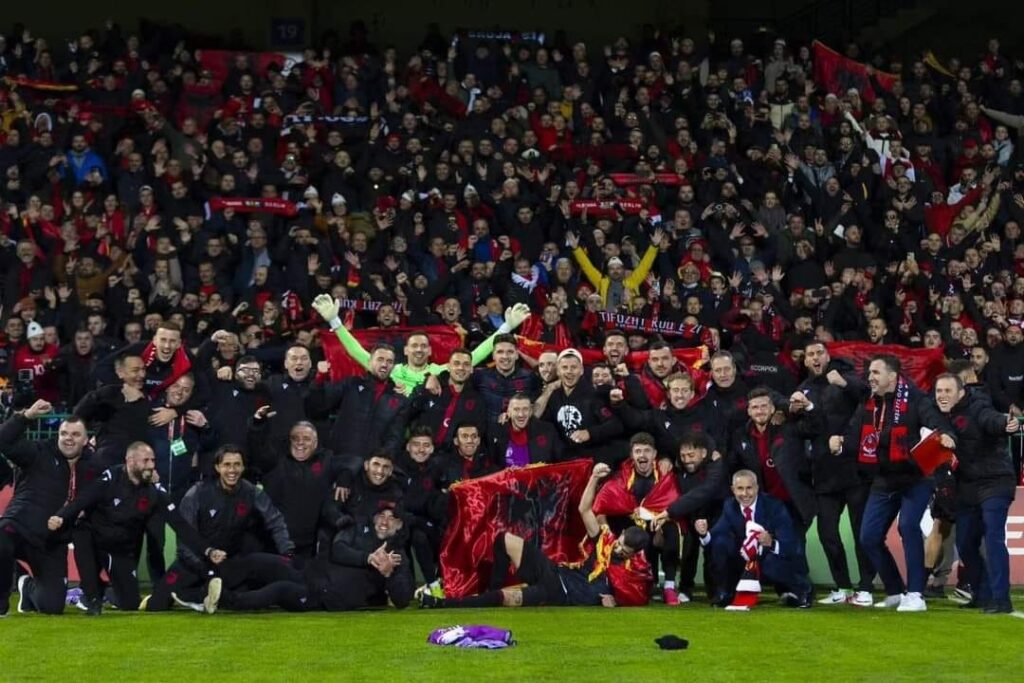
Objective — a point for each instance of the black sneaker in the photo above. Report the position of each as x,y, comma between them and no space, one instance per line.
999,608
94,607
24,602
428,601
934,592
970,604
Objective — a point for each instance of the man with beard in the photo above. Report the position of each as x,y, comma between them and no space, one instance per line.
112,514
413,373
229,512
49,473
661,363
506,379
236,394
424,503
836,390
1006,372
456,400
679,417
610,570
300,480
467,459
586,426
880,436
374,488
372,403
616,351
635,495
523,440
985,489
703,484
775,454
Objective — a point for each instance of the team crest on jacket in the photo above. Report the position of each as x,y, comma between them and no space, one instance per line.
143,504
542,440
470,404
241,509
960,422
316,468
393,402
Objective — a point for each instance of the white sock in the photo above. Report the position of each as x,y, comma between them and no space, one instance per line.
670,585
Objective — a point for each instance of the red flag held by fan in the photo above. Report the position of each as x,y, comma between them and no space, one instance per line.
921,366
930,454
836,74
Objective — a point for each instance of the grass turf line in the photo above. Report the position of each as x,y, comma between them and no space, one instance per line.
771,643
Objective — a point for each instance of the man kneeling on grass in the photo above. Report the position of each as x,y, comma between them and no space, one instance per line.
613,572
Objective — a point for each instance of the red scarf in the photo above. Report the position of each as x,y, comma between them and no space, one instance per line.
277,207
180,365
871,431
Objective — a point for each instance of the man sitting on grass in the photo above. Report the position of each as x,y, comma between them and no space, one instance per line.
614,570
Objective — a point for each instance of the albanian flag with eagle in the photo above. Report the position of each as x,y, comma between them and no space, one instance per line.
538,503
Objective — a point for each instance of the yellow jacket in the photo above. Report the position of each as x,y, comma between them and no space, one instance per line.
601,282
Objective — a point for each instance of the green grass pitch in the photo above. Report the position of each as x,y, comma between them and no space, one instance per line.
568,644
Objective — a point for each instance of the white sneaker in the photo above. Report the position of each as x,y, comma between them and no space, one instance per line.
836,597
213,590
683,598
196,606
862,599
912,602
890,602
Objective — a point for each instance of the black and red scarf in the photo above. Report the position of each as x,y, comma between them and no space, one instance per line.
180,365
871,431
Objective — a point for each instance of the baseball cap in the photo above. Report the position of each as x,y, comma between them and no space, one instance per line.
571,353
36,330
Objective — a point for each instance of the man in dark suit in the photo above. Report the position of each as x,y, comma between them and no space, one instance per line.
780,553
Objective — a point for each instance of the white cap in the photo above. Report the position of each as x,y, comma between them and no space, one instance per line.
614,261
311,193
409,196
34,330
470,190
571,353
337,199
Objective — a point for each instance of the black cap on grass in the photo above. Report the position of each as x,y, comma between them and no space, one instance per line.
671,642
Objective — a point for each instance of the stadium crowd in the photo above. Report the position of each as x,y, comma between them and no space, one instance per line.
178,235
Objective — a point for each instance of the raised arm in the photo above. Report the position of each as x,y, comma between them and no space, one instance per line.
593,527
328,309
514,317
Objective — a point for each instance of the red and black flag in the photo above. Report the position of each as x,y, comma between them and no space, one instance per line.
538,503
837,74
921,366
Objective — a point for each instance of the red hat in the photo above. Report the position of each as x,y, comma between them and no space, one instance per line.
970,143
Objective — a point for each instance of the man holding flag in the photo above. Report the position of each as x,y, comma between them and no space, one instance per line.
613,571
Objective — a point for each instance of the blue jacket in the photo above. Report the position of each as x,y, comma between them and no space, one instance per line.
81,164
769,513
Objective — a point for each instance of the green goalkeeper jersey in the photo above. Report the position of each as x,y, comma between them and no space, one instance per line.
405,375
